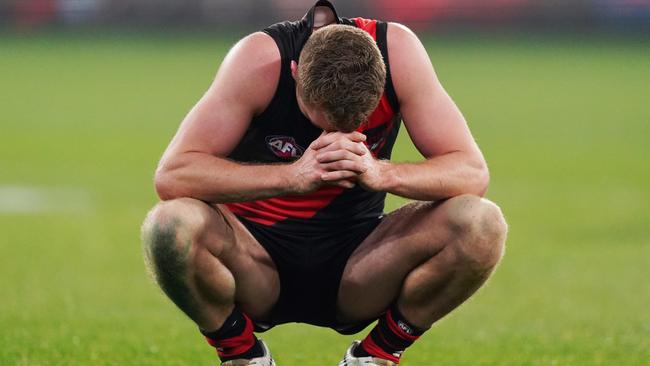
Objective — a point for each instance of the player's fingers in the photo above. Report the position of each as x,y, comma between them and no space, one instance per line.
322,141
343,184
329,156
356,136
349,165
355,147
338,175
326,139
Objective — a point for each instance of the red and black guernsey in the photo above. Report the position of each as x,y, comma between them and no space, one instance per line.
281,133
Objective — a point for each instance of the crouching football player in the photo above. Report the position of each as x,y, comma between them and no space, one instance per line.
273,193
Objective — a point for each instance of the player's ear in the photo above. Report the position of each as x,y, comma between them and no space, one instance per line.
294,69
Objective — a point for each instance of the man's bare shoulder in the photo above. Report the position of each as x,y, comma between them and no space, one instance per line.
410,65
250,70
244,86
257,46
401,40
398,30
433,120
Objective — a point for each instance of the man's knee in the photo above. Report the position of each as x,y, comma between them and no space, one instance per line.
170,233
480,228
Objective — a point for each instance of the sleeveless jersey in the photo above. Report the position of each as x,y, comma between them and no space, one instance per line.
281,133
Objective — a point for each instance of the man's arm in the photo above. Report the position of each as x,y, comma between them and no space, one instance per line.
194,163
454,164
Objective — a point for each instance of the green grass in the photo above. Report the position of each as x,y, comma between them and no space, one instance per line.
564,125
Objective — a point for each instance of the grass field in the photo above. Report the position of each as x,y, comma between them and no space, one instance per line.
564,125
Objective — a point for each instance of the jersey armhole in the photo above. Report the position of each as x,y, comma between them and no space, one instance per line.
285,69
274,33
382,43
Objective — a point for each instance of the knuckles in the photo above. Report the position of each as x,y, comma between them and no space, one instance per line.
332,159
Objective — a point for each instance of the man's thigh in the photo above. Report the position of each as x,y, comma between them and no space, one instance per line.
217,249
257,284
405,239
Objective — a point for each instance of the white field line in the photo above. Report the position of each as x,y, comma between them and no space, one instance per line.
17,199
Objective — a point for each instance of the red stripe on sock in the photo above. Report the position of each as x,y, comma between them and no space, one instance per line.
397,330
374,350
235,345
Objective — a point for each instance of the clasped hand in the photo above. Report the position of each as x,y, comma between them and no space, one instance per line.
338,159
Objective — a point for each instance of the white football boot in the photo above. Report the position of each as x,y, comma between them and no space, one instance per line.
265,360
350,360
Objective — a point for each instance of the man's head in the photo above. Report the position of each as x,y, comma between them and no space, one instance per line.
340,78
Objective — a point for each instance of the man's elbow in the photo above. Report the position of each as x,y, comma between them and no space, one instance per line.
165,185
481,179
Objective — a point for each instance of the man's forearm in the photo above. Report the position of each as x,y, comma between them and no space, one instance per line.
437,178
217,180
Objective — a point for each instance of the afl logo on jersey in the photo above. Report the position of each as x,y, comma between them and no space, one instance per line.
284,147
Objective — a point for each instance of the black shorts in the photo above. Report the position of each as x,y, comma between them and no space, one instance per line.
310,265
